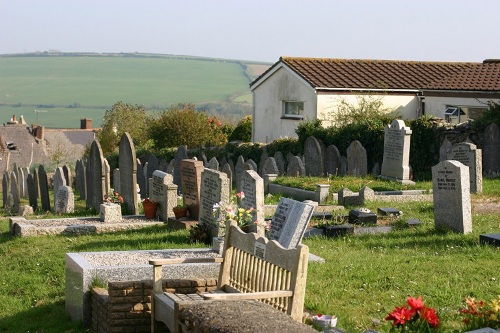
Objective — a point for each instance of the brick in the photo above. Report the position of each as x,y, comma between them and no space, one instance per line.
117,315
211,282
127,299
138,307
120,285
120,307
148,284
117,293
187,290
199,282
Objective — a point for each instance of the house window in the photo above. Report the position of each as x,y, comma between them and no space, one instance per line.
452,114
293,110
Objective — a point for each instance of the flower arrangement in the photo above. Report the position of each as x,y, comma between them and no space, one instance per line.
243,217
113,197
479,314
416,317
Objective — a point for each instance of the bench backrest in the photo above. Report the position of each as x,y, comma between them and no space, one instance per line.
256,264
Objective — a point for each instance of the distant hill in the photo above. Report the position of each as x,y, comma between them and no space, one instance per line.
58,89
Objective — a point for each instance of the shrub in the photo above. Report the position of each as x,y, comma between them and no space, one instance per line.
242,131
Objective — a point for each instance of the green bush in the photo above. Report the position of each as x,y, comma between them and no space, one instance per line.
424,146
242,131
285,146
491,115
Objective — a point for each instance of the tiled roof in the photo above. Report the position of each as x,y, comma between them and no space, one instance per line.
394,75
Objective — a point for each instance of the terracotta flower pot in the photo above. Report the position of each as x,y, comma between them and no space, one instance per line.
180,212
150,209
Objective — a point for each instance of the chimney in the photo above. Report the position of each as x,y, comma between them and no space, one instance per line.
86,123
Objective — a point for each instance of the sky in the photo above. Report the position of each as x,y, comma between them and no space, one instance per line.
257,30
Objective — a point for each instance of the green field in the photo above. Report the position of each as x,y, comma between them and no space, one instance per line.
73,87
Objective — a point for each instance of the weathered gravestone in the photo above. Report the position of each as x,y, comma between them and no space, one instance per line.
252,185
395,165
239,168
280,163
491,151
467,154
343,166
270,167
44,188
202,157
214,190
81,184
451,192
25,173
14,191
296,167
32,193
107,176
263,158
127,163
290,221
116,180
146,179
163,191
58,181
141,180
227,170
95,177
444,149
250,165
213,164
20,182
5,188
64,200
36,179
313,156
191,182
162,165
180,154
67,175
356,160
152,165
332,160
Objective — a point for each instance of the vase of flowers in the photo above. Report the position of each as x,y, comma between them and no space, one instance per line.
414,317
150,208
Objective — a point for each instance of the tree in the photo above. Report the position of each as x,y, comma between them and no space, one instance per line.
123,118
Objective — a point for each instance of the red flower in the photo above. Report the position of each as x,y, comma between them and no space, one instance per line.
415,304
430,315
399,315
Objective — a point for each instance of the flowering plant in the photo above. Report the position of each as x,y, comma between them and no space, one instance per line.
479,314
416,317
233,211
147,200
113,197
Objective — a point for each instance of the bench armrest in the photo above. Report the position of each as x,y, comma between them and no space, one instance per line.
243,296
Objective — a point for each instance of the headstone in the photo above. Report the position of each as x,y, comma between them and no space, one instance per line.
251,165
163,165
146,179
67,175
252,185
491,151
116,180
314,157
223,161
395,165
214,190
152,165
65,200
5,188
26,172
170,168
296,167
290,222
32,193
263,158
180,154
467,154
95,177
127,163
14,191
44,188
356,160
332,161
191,182
20,181
36,179
213,164
80,182
227,170
159,192
270,167
239,168
280,163
343,166
59,180
451,192
141,180
362,216
444,149
289,157
107,176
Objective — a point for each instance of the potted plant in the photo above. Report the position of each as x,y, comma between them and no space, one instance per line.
150,207
180,211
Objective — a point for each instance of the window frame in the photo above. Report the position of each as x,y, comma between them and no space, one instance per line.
297,116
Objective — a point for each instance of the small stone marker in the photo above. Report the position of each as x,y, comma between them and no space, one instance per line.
107,176
290,222
110,213
395,165
362,216
65,200
332,161
214,189
191,182
388,211
252,185
467,154
491,148
356,160
313,156
451,192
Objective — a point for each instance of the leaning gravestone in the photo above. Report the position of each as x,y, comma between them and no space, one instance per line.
313,156
81,184
213,164
127,163
491,149
280,163
332,160
467,154
252,185
32,193
5,188
290,221
167,200
14,191
451,192
95,175
44,189
214,190
295,167
59,180
180,154
356,160
65,200
270,167
191,182
395,165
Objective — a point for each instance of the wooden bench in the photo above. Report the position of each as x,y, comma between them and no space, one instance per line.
252,269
